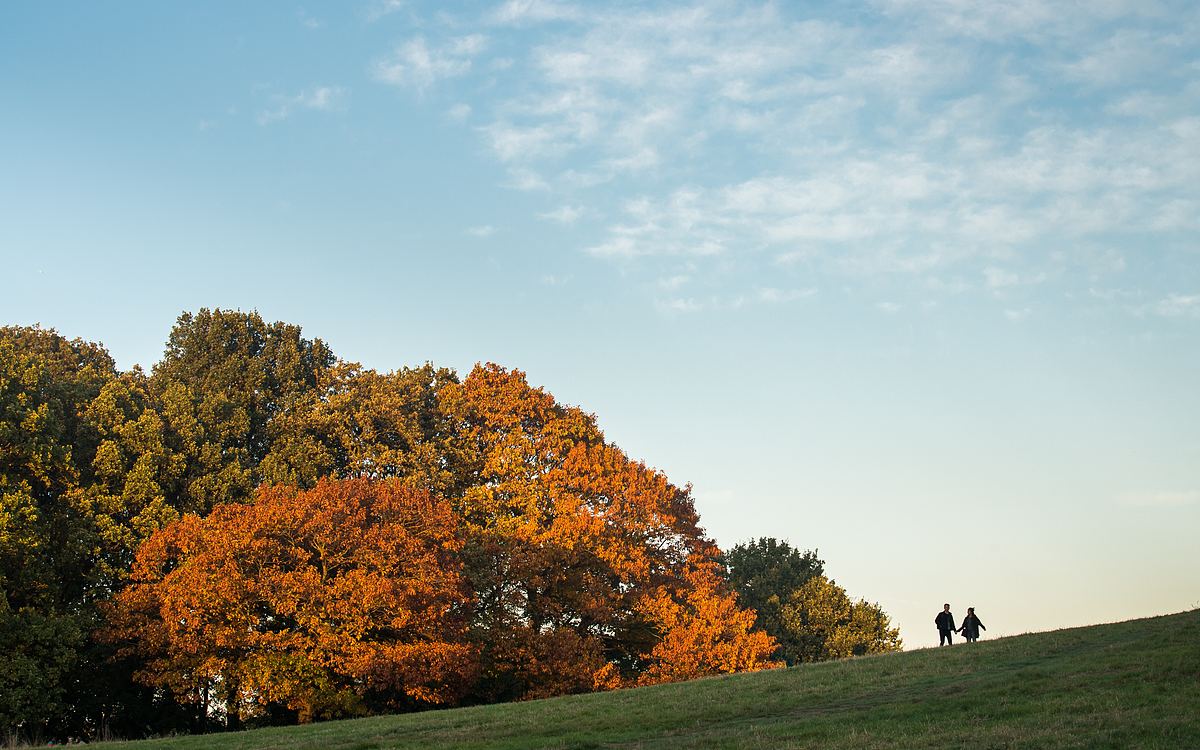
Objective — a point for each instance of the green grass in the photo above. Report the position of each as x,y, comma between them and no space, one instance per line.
1130,684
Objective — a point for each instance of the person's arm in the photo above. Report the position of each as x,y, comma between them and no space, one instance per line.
980,623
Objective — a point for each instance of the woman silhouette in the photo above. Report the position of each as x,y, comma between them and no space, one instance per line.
971,625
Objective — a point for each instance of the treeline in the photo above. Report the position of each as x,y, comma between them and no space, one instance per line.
257,532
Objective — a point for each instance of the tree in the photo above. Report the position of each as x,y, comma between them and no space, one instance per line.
39,651
224,378
820,622
46,530
323,602
136,474
359,423
583,562
49,541
704,632
764,572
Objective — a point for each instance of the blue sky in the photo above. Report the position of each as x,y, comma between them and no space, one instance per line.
914,283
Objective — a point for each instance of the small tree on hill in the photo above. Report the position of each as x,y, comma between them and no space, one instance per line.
820,622
810,616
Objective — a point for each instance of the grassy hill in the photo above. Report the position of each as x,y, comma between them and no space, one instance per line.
1130,684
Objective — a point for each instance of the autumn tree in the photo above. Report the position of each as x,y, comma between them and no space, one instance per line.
583,561
820,622
322,602
704,631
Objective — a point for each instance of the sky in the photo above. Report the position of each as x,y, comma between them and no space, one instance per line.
915,283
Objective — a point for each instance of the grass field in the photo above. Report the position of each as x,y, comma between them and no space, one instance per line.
1126,685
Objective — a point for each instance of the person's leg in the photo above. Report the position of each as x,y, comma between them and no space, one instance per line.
943,637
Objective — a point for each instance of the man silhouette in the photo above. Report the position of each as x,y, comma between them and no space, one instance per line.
945,626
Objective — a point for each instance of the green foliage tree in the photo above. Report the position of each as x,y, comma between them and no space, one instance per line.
49,542
224,378
46,536
39,653
360,423
820,622
810,616
764,572
82,464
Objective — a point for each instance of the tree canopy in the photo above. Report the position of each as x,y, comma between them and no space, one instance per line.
258,531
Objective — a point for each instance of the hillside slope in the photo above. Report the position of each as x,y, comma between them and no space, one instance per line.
1130,684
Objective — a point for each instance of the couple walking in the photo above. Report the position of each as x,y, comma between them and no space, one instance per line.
945,625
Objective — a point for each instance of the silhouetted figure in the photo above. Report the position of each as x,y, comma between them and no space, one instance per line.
945,626
971,625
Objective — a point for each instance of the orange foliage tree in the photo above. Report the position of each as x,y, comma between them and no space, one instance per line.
324,602
590,570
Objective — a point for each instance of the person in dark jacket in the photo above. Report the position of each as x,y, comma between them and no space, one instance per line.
971,625
945,626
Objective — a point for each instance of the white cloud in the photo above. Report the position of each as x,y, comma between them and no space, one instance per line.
1018,315
889,308
1169,499
486,230
380,8
308,21
998,278
680,305
563,214
773,296
320,98
526,180
1124,56
1178,306
1033,20
467,46
415,64
512,144
535,11
616,247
